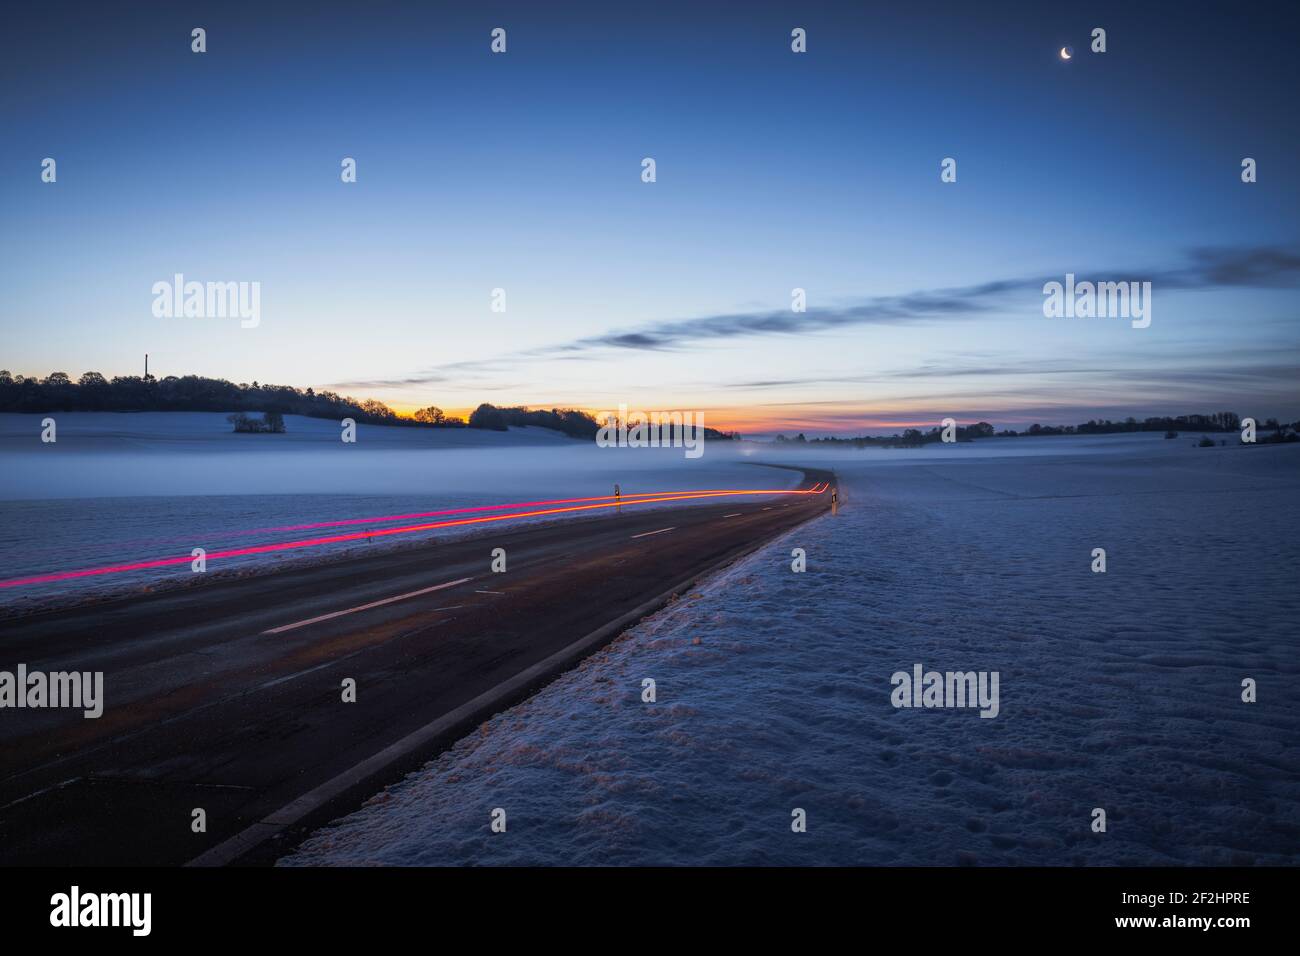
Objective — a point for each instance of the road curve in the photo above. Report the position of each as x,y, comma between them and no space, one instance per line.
227,697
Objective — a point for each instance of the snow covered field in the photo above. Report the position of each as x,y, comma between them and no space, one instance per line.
1119,690
121,488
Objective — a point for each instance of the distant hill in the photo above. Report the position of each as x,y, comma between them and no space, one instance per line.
93,392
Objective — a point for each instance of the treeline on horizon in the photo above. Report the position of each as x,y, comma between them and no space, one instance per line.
1170,425
93,392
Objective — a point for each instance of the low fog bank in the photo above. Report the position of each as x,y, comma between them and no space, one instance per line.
107,454
118,489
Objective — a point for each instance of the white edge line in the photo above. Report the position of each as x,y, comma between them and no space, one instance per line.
364,607
273,824
54,786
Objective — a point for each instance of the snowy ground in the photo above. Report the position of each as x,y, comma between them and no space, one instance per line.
121,488
1118,690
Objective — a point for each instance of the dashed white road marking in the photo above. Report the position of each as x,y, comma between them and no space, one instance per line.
364,607
734,514
646,534
43,790
294,676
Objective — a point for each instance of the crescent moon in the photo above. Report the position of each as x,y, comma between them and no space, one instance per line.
1066,53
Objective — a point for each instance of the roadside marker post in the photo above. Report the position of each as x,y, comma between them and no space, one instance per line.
835,501
617,499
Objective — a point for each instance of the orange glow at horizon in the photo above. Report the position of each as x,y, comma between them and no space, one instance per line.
845,417
749,420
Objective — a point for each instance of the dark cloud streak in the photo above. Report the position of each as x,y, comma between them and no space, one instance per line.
1207,268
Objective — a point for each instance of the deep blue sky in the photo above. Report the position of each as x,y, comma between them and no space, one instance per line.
775,170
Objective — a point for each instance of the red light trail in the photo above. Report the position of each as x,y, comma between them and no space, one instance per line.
607,501
628,498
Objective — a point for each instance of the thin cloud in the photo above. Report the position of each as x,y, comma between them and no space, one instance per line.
1207,268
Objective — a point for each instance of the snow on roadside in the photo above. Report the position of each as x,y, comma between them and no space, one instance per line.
1119,691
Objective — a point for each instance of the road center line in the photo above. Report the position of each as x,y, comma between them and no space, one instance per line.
646,534
43,790
294,676
364,607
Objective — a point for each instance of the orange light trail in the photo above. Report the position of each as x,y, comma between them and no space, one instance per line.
641,499
626,499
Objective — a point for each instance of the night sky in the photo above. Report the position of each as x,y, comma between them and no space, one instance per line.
775,170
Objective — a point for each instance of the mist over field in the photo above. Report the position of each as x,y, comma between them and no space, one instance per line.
119,488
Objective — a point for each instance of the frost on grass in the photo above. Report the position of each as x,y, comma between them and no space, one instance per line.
1119,690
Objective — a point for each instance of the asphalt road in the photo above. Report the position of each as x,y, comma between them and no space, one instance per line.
228,696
